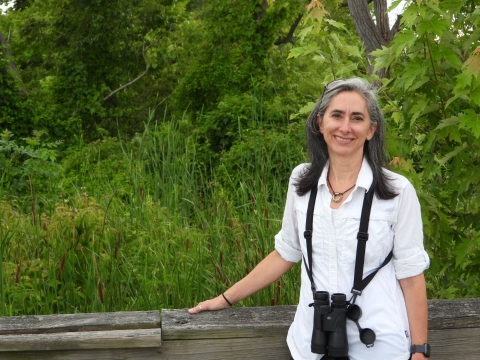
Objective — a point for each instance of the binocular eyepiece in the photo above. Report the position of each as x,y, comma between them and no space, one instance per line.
329,334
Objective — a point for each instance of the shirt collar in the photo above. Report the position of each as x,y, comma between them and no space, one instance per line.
364,179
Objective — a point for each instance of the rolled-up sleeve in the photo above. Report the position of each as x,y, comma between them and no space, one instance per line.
410,257
286,241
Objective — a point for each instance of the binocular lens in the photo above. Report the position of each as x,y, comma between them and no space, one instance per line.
367,336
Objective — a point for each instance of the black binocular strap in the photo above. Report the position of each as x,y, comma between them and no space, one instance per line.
358,283
308,235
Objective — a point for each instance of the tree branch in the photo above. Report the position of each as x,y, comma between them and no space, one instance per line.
289,36
13,67
366,28
381,15
373,36
134,80
395,28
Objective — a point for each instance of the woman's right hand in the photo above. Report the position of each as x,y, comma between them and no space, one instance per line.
217,303
265,273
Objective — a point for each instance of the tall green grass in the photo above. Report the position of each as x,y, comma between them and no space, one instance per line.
144,224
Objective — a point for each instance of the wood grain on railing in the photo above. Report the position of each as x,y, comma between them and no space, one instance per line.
235,333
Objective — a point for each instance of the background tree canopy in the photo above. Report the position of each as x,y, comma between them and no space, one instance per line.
134,129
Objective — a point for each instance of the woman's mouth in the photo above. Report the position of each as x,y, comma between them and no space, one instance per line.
343,140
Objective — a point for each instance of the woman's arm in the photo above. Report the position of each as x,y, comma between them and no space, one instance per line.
265,273
414,291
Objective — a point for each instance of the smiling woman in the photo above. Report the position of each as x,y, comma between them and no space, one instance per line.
346,140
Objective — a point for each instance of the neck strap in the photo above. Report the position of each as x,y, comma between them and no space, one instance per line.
358,282
308,236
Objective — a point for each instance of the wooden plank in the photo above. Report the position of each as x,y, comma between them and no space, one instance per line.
229,323
79,322
116,339
446,345
453,314
453,344
221,349
111,354
259,333
239,333
270,321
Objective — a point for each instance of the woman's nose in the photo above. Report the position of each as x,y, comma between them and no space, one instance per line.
345,125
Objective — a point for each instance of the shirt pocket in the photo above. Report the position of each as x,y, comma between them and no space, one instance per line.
380,239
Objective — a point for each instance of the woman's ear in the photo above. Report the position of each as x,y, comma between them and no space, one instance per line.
320,123
371,132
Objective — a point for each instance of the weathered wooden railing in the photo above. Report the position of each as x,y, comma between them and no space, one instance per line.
236,333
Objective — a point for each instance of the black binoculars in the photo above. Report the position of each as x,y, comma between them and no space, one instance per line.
329,334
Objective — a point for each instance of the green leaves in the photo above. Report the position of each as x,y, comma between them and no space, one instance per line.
383,58
451,154
433,98
433,24
336,24
471,120
451,55
305,110
451,121
303,50
29,168
331,45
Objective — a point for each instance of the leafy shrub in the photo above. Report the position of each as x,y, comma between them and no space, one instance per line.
98,166
14,108
29,171
262,161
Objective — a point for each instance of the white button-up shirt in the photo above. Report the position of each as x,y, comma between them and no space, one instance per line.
394,224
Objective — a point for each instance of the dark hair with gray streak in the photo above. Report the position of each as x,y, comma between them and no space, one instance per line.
374,150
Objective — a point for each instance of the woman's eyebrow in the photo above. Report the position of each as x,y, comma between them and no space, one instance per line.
343,112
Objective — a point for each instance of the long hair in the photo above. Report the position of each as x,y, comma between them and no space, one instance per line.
374,149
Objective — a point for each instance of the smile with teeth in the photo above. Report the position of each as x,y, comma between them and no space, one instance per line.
338,138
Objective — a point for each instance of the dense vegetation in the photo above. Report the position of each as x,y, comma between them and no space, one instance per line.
145,145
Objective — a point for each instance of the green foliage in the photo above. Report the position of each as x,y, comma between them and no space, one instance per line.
433,101
74,54
86,165
221,126
142,227
236,40
29,170
14,108
329,43
270,153
177,208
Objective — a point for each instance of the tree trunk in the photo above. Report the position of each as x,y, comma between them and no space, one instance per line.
373,36
381,15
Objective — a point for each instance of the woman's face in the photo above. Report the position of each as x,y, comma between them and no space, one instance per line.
346,125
